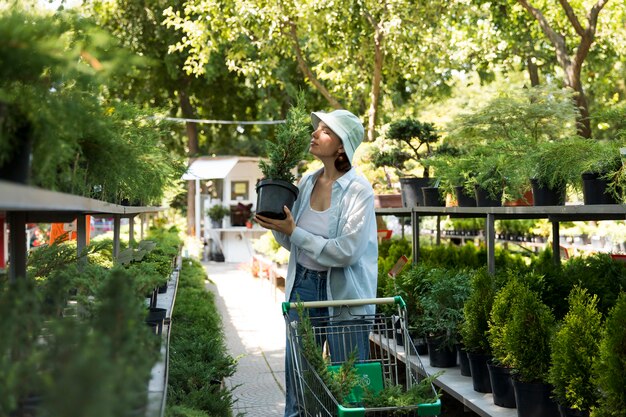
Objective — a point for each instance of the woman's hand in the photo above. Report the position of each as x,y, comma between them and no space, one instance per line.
285,226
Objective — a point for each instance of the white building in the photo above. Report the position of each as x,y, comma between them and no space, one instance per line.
232,181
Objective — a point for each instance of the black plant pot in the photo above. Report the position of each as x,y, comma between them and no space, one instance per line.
162,289
570,412
463,361
545,196
534,399
480,373
432,197
273,195
462,199
595,190
484,198
155,318
440,353
411,191
501,385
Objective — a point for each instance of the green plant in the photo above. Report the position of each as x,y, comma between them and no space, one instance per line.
574,348
499,319
528,334
83,143
199,358
442,302
476,312
610,366
396,395
340,383
217,212
500,136
406,140
290,147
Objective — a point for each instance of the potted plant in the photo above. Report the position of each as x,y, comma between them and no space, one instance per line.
474,328
276,189
609,370
501,366
454,169
527,341
216,213
442,302
407,143
574,348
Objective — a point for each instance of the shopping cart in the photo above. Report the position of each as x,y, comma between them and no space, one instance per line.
387,357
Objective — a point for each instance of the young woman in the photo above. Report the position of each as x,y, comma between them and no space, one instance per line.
331,232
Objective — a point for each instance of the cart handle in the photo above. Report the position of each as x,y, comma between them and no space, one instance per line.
348,303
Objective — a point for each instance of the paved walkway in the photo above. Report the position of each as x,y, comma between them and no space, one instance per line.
255,335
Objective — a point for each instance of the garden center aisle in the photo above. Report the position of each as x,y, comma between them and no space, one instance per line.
255,334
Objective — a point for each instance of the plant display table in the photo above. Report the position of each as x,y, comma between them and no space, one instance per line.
555,214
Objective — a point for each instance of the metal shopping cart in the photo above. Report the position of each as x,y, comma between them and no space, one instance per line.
387,356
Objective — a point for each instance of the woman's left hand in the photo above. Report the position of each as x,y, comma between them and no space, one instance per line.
285,226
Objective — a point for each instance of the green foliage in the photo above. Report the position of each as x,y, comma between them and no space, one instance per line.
600,275
442,302
291,145
610,367
403,142
396,395
499,319
83,142
574,348
198,356
340,383
476,312
217,212
527,336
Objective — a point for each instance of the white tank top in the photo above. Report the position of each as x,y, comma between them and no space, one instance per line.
315,222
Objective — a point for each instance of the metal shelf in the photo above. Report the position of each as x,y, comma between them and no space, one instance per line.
22,204
555,214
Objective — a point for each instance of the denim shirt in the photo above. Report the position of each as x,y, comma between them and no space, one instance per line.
351,250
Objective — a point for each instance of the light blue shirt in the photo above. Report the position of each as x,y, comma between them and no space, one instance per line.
351,249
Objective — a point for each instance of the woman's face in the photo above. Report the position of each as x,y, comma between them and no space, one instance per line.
325,143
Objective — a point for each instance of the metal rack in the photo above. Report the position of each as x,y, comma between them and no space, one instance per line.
554,214
23,204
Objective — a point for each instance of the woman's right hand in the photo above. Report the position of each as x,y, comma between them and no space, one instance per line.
285,226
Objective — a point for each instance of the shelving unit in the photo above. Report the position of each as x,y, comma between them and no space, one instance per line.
555,214
20,204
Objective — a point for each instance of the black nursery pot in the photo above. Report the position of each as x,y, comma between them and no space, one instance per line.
272,196
411,190
545,196
462,198
432,197
595,190
484,199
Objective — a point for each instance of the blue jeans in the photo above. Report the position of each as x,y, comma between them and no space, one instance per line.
311,286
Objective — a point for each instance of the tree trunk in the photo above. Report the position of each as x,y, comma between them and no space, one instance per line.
306,70
572,65
379,57
533,71
192,144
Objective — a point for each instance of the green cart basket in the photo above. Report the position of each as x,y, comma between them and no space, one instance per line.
387,356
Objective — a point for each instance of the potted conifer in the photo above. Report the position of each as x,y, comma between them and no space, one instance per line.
408,142
276,189
609,367
574,347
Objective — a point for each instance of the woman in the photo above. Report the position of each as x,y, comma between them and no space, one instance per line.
331,232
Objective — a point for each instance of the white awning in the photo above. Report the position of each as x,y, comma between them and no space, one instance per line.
208,169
